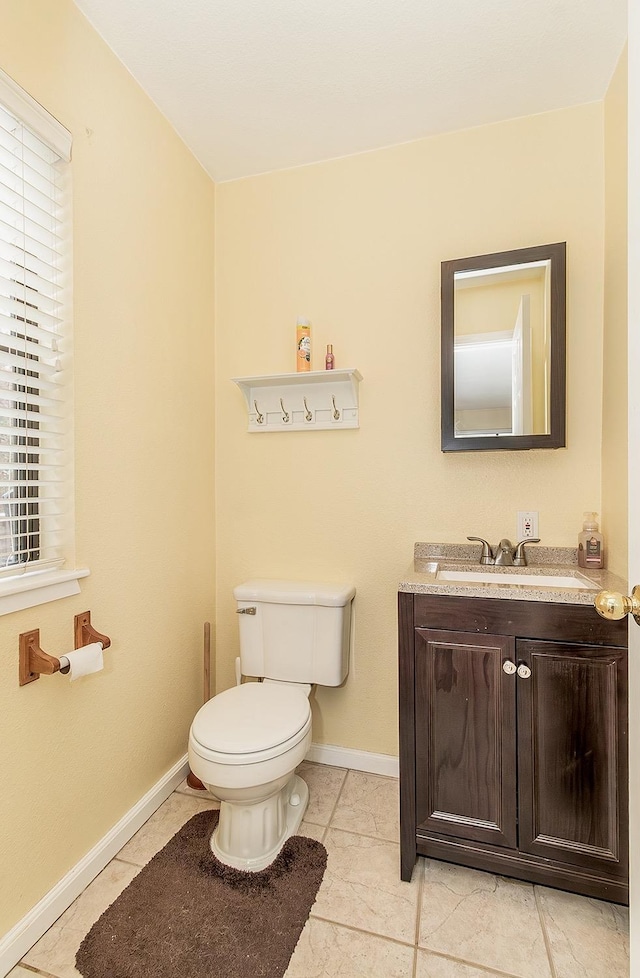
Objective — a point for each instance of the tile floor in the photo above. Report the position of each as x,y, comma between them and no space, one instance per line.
449,922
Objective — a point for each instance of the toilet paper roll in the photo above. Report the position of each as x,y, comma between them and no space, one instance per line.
84,661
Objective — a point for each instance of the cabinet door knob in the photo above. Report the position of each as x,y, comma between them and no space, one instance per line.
524,671
509,667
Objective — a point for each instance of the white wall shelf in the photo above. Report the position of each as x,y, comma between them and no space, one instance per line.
318,400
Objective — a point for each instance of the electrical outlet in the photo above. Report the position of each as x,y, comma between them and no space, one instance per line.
527,524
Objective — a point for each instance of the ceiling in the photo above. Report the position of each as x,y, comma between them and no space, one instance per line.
259,85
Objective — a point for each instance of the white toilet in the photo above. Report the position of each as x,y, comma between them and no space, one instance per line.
246,742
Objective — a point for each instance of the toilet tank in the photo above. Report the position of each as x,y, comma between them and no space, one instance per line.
300,631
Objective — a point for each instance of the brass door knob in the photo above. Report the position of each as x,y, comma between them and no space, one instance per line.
611,605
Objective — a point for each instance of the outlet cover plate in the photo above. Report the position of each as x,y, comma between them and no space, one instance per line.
527,524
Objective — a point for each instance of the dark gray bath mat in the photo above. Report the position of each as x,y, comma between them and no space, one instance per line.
185,915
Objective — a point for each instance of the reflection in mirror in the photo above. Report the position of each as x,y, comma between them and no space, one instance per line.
503,350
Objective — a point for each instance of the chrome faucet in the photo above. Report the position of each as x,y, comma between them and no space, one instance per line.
505,554
519,555
486,557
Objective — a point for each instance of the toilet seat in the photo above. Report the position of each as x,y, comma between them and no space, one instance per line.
251,723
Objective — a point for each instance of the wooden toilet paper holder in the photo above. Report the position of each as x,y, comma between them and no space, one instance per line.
84,633
35,662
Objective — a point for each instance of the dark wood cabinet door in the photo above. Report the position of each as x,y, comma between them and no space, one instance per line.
572,754
465,736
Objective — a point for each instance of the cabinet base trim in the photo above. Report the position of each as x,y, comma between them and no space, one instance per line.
530,868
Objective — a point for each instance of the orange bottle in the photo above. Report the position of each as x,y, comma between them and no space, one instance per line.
303,345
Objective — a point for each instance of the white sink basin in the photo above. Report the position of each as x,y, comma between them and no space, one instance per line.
532,580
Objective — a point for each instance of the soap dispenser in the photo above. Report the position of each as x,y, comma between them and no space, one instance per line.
590,543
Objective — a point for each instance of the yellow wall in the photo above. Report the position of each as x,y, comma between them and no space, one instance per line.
614,407
356,244
75,758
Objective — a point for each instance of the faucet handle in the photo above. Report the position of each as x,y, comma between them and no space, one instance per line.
487,553
519,556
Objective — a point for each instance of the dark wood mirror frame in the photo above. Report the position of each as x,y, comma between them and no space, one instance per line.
556,254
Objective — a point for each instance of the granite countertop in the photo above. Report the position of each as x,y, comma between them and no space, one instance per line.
430,558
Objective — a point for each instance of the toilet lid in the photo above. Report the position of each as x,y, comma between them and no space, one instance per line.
251,718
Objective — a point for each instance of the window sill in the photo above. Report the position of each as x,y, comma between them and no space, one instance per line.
39,587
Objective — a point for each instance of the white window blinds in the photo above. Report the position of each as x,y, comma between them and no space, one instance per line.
34,346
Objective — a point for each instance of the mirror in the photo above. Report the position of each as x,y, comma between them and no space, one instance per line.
503,350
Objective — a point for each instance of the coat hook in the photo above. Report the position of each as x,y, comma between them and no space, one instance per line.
336,413
307,413
285,414
259,417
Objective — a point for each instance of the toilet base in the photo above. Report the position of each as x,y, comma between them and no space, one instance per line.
250,836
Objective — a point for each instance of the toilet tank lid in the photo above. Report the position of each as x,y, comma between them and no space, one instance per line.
295,592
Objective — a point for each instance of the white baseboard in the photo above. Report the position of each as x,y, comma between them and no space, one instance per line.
15,944
358,760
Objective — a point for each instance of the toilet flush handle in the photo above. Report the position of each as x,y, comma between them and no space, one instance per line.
246,611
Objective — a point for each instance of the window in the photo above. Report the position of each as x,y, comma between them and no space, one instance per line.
35,342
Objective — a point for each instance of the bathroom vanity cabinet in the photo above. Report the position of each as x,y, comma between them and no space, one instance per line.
513,740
